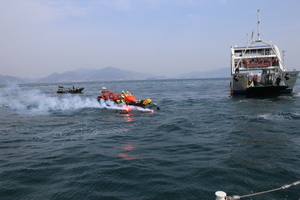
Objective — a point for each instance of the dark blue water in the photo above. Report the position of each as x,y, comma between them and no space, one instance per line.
60,146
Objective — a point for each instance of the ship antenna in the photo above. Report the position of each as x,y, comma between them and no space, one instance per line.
258,26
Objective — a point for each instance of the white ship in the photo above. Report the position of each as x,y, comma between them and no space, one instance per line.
258,68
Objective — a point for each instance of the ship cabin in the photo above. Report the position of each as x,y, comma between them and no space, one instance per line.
264,61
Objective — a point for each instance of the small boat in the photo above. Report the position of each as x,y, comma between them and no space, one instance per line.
61,89
126,99
258,69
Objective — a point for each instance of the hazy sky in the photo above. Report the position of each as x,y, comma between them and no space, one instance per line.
162,37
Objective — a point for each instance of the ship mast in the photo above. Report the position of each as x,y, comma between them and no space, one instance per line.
258,26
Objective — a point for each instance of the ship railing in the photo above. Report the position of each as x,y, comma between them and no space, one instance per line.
239,54
254,56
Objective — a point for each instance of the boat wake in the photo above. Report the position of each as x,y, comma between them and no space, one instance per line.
33,102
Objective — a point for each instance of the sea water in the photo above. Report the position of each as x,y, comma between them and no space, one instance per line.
69,146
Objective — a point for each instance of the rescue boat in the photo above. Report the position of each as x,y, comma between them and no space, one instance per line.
126,99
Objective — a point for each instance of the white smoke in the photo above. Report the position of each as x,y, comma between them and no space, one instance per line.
36,102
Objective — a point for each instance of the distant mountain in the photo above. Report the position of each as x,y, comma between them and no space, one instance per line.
105,74
11,79
217,73
112,74
69,76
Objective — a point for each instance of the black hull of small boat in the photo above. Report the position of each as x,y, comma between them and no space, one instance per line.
260,90
138,104
71,91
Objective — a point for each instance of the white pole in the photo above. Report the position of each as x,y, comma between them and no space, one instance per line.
283,55
258,26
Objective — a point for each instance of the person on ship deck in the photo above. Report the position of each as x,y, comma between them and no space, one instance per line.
255,80
278,79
